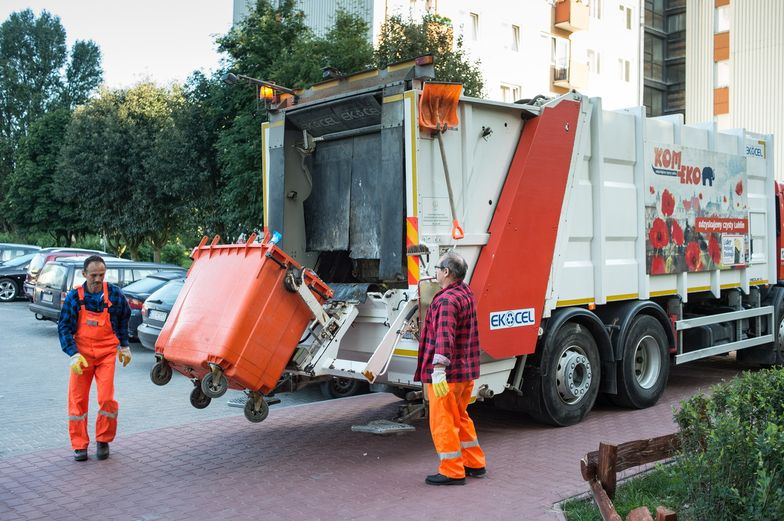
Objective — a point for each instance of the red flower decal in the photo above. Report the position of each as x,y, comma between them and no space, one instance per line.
739,188
659,235
657,265
713,249
686,205
668,203
693,256
725,198
677,233
652,190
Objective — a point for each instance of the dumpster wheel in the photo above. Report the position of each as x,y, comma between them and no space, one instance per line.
256,408
198,398
161,373
214,384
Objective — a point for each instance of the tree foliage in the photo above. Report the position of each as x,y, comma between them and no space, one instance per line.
405,39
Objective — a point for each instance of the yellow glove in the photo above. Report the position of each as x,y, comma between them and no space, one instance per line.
124,355
77,362
440,386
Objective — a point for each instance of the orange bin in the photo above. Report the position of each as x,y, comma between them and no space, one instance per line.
234,311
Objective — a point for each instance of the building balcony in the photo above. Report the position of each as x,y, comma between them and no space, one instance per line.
571,15
573,77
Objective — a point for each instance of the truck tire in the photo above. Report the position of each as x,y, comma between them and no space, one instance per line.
341,387
645,368
567,381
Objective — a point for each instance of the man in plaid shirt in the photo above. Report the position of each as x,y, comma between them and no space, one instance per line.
447,365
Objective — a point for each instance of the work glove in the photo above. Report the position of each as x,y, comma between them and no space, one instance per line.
124,355
77,363
440,386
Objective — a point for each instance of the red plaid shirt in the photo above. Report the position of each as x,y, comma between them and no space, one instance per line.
450,330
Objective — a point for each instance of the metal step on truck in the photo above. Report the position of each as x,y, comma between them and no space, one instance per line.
603,247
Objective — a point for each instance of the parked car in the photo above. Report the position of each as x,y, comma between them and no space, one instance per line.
9,250
49,254
12,276
59,276
138,291
156,310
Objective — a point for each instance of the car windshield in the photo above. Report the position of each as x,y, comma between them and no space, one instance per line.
168,293
37,262
145,285
19,261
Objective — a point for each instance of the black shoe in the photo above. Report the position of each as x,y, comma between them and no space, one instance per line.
80,455
103,450
440,479
475,473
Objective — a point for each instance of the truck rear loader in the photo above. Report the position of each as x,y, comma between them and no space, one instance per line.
603,246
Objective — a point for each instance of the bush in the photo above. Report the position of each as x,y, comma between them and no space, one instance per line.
733,449
176,253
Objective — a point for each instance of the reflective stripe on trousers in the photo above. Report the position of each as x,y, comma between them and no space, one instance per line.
453,432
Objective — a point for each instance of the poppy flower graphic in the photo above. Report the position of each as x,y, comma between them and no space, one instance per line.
713,249
739,188
693,256
667,202
677,233
659,235
652,190
657,265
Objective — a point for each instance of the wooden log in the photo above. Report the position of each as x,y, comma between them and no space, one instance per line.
603,502
633,453
665,514
605,470
639,514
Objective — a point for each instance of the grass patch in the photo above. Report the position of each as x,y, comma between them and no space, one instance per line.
662,486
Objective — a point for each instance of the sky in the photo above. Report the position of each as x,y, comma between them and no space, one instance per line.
161,40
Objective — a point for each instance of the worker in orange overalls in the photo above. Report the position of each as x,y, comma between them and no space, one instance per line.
93,329
447,365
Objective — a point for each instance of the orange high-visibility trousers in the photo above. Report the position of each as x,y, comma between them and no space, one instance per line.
97,343
453,432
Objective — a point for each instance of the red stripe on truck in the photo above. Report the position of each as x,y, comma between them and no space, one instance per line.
511,275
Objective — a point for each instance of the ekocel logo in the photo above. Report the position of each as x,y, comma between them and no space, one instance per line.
512,318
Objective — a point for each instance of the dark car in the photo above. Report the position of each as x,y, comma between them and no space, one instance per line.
49,254
12,276
138,291
9,250
156,310
59,276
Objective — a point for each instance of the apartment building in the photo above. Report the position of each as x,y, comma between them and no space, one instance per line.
735,65
664,57
525,47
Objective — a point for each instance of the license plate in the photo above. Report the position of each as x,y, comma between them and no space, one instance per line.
46,297
160,316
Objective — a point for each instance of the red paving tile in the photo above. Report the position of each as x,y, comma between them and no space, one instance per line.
304,463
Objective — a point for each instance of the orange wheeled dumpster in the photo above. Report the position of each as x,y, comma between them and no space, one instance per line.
235,324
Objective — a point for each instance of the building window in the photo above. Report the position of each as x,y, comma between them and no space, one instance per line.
676,22
515,38
594,62
510,93
474,26
721,74
653,54
653,101
559,59
654,14
595,9
676,73
627,13
722,19
624,69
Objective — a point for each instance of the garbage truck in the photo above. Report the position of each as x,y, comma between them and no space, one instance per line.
603,247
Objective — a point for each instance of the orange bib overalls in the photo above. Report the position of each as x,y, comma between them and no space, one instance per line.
97,343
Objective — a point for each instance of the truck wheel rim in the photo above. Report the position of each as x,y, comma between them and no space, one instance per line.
573,375
781,333
647,363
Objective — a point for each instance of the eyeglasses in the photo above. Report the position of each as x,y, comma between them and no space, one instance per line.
441,267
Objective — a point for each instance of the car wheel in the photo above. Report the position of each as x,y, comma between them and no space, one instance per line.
8,290
341,387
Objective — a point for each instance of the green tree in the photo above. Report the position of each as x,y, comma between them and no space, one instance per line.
37,76
34,202
405,39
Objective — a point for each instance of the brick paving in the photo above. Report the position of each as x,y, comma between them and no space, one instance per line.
303,463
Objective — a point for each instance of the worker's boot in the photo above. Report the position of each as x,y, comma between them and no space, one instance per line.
80,455
472,472
103,450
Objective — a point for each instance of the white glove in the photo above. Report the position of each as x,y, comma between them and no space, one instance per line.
77,363
440,385
124,355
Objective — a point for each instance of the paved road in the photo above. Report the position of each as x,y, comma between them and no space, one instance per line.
33,397
172,462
